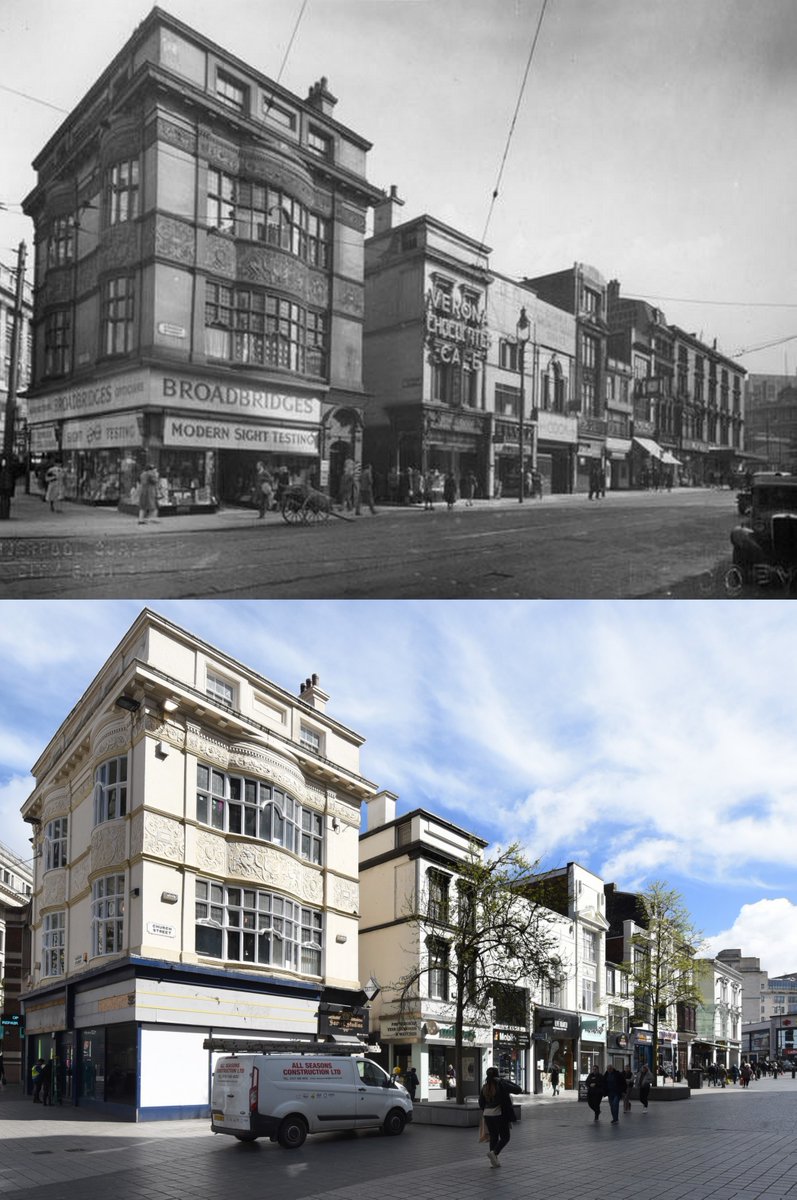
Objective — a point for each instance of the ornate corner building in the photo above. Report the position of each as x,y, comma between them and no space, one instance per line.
196,874
199,295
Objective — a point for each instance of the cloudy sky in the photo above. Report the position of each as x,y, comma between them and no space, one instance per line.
654,140
646,741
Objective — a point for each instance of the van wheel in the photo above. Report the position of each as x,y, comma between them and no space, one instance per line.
394,1122
246,1137
292,1132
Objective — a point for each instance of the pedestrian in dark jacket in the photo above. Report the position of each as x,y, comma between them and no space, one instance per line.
595,1090
614,1086
411,1082
496,1105
644,1081
47,1082
450,491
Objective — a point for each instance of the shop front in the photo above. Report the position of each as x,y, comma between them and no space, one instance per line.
640,1042
593,1049
427,1044
618,451
555,1039
557,445
203,434
511,1049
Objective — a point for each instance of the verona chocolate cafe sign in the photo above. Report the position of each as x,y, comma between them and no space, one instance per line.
456,329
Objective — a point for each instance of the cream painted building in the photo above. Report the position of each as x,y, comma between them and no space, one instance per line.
197,872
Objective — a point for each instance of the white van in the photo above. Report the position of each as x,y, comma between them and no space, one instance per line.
286,1096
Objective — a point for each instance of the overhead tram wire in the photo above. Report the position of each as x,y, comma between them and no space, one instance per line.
513,122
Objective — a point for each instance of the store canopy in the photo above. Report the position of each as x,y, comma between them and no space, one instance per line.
650,447
670,460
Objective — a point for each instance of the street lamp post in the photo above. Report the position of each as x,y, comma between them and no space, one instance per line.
523,331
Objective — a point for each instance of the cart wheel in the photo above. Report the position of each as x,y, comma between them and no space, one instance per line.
317,514
734,581
292,513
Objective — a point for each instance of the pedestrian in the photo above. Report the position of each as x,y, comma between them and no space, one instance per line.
365,492
629,1083
148,495
411,1082
2,1072
450,491
470,489
46,1078
496,1105
644,1081
55,486
711,1071
746,1074
265,489
553,1075
594,1084
451,1082
36,1076
614,1087
428,491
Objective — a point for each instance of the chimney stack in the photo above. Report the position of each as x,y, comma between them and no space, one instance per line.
320,97
381,809
386,210
311,693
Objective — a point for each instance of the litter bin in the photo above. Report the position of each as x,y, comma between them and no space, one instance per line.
694,1078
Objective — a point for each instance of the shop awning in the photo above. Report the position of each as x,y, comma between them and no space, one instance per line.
650,447
670,460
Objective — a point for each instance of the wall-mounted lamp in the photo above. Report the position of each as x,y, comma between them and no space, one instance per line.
169,897
128,703
161,751
341,938
335,825
170,706
135,891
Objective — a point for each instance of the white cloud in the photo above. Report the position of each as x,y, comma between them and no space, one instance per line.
14,791
767,930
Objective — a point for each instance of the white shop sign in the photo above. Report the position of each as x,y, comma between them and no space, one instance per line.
228,435
101,433
109,395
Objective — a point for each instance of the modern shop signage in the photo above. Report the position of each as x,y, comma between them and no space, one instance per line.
447,1033
101,433
342,1019
400,1029
593,1029
193,431
455,328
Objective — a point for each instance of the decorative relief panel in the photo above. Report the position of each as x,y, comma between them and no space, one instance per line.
262,864
87,275
268,765
120,246
354,218
54,889
268,266
108,846
323,202
350,297
220,255
56,804
317,289
203,746
345,895
170,239
164,731
345,812
109,740
156,835
59,286
79,876
315,798
211,853
269,168
176,135
218,153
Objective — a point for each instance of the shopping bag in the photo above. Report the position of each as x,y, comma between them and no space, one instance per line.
484,1133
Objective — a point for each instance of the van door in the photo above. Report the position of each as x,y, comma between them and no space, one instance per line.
373,1093
230,1104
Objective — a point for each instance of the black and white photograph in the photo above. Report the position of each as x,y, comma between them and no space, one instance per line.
398,299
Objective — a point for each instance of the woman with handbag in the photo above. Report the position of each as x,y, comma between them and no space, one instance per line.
496,1105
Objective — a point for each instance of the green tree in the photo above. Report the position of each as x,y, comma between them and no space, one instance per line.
480,939
662,958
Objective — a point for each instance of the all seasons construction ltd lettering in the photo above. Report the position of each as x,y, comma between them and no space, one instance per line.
305,1070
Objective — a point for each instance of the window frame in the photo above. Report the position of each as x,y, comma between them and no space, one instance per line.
123,191
241,916
58,342
56,838
107,915
118,314
115,790
438,969
61,240
243,806
54,943
216,688
227,88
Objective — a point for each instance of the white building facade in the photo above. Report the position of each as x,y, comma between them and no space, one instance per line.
197,828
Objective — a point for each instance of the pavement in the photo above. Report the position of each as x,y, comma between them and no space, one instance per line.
729,1143
31,516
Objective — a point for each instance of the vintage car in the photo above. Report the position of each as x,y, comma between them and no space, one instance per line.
765,546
